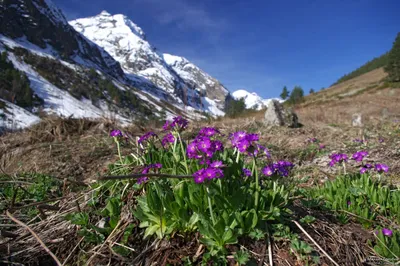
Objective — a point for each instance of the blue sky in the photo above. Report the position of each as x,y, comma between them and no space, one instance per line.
261,45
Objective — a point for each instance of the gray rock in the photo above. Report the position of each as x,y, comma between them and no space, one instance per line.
278,115
385,113
357,120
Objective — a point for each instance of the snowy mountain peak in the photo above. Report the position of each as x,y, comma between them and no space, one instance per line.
105,13
125,42
252,99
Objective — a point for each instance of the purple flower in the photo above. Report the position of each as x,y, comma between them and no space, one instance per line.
381,140
246,172
178,123
243,145
115,133
199,176
244,142
167,126
156,166
348,203
283,167
312,140
321,146
366,168
207,173
146,170
210,173
252,137
337,158
259,149
268,170
359,156
219,173
387,232
169,138
209,131
204,144
218,146
217,164
358,141
146,137
381,168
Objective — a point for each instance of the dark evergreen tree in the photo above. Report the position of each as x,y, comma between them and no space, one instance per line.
234,107
296,95
393,64
285,93
312,91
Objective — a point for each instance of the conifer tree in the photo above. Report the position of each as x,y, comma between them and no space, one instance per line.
393,65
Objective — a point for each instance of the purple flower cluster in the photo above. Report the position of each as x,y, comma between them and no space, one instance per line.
146,170
146,137
203,147
167,139
115,133
381,140
321,146
337,158
209,131
244,142
246,172
258,149
359,156
178,123
281,168
379,167
211,172
366,168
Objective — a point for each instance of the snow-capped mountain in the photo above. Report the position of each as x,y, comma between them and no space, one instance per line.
197,78
105,69
126,42
252,99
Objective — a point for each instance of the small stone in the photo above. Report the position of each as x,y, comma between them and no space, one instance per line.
385,113
357,120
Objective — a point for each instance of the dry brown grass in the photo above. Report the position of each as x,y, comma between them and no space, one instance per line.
366,94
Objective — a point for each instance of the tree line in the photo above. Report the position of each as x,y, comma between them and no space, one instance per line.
14,84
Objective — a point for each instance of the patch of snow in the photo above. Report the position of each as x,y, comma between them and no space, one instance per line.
56,101
252,99
211,107
15,117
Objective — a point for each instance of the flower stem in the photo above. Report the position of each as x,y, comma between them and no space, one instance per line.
344,168
257,183
237,157
183,153
119,149
210,206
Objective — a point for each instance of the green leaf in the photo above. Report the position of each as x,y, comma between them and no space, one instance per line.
80,218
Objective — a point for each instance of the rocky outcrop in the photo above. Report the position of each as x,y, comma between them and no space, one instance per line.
43,24
277,115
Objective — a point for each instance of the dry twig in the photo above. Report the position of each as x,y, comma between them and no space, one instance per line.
315,243
35,236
